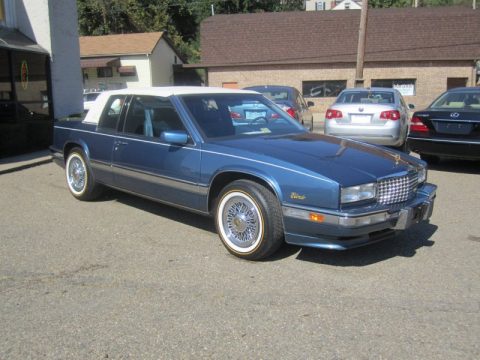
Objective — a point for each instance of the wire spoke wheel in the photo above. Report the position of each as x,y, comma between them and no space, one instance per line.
80,180
242,222
76,174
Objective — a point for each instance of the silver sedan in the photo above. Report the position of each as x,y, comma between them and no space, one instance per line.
375,115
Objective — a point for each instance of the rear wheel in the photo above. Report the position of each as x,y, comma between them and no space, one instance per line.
79,176
248,220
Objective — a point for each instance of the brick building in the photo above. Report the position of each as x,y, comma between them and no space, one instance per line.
420,51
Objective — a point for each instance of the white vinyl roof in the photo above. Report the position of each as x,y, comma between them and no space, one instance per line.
95,112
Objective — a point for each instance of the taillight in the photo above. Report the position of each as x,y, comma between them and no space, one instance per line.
390,115
417,125
333,114
275,116
291,112
235,115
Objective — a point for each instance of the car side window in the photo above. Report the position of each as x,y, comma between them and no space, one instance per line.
111,114
149,116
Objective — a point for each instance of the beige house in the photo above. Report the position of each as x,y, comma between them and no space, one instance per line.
420,51
128,61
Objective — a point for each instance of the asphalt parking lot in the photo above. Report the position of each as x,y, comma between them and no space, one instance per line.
126,278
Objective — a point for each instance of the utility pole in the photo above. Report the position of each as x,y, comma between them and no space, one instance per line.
362,36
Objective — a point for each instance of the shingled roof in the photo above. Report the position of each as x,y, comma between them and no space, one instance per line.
394,34
121,44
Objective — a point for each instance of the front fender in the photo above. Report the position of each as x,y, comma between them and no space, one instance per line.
237,172
291,190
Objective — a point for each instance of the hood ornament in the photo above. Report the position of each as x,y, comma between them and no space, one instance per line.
397,159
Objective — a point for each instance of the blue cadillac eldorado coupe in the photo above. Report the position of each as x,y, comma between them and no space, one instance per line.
264,179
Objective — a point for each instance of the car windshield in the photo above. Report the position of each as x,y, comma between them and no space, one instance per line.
458,100
365,97
239,115
274,95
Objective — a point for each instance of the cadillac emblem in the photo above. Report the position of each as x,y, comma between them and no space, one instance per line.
454,115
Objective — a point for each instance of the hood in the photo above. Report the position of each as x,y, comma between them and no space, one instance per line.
344,161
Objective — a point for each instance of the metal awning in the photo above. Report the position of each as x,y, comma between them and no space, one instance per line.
99,62
127,70
15,40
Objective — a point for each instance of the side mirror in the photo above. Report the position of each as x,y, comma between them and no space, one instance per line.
310,103
411,106
177,137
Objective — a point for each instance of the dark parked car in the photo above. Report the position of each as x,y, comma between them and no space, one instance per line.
290,100
449,127
263,182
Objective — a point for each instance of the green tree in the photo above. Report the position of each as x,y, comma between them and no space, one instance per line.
103,17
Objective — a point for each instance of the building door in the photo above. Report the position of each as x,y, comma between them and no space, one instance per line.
25,105
230,85
456,82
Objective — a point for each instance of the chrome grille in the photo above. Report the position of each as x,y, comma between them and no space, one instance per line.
397,189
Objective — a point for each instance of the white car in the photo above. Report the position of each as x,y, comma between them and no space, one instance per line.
377,115
88,99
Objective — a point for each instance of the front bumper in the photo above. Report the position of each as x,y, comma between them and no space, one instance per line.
356,227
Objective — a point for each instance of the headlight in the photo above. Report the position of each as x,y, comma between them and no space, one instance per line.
358,193
422,174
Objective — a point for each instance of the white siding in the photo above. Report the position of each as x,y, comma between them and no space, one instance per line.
49,23
140,80
155,69
163,59
347,5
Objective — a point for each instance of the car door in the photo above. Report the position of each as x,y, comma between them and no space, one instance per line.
146,165
102,142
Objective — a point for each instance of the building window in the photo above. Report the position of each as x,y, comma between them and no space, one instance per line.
320,5
323,88
103,72
405,86
127,70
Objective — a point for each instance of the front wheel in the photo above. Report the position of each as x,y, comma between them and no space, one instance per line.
79,176
242,221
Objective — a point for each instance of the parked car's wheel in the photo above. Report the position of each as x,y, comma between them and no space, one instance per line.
431,159
79,176
248,219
